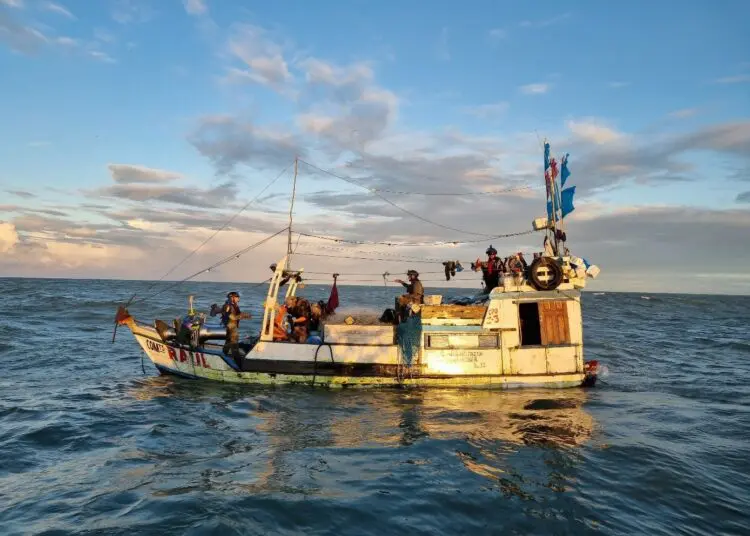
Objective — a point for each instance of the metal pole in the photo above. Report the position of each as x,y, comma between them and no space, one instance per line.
291,211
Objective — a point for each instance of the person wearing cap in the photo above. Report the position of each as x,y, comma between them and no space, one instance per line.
414,291
491,269
230,318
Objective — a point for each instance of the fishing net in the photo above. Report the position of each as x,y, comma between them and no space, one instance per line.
409,336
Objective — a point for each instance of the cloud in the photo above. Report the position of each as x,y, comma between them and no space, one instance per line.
129,174
535,89
666,236
131,11
28,40
19,37
101,56
8,237
217,197
228,142
605,158
487,111
685,112
497,34
57,8
355,76
744,197
195,7
618,85
103,36
730,138
441,48
21,193
738,79
190,219
592,132
543,23
263,59
18,4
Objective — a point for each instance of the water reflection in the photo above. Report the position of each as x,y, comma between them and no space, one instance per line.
307,441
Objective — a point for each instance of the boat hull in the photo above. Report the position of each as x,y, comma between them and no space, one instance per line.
331,365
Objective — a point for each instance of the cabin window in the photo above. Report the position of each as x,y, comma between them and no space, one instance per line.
528,316
488,341
437,341
544,323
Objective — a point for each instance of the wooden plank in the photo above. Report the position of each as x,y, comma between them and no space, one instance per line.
466,312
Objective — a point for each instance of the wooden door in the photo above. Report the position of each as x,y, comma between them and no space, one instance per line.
553,317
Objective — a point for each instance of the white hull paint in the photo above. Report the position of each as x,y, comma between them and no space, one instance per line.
444,368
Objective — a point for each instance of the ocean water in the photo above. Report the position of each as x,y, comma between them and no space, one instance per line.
91,443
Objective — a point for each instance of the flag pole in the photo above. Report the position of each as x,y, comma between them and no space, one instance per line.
562,218
556,206
551,194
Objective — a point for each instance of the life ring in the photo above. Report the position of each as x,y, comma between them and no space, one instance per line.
545,274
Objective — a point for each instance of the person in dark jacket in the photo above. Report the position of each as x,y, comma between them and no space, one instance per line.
414,292
230,318
492,268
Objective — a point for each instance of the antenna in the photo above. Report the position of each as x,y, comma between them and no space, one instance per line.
291,211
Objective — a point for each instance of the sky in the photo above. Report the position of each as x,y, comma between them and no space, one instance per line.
133,130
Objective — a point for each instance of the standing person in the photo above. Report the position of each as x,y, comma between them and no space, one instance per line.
230,318
491,269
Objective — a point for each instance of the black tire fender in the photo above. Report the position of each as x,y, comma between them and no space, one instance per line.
545,274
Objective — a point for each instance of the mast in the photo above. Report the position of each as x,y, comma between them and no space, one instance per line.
291,211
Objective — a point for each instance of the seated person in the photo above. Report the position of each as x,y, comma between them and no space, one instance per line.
317,314
300,312
414,292
281,322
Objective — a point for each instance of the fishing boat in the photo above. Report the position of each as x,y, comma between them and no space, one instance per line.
525,332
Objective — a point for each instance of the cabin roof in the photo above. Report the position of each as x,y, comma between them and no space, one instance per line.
556,294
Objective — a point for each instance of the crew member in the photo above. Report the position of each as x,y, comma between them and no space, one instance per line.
414,292
230,318
491,269
300,319
280,322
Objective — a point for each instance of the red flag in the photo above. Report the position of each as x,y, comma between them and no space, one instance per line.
333,299
122,315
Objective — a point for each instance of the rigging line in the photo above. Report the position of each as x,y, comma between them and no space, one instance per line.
401,258
221,228
344,274
215,265
453,194
380,280
401,261
417,244
394,205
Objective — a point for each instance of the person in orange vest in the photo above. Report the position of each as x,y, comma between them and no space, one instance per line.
280,323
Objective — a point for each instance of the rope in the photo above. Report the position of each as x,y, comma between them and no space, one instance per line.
315,359
266,187
215,265
394,205
416,244
453,194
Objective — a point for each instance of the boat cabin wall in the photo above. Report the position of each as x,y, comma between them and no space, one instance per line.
546,336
